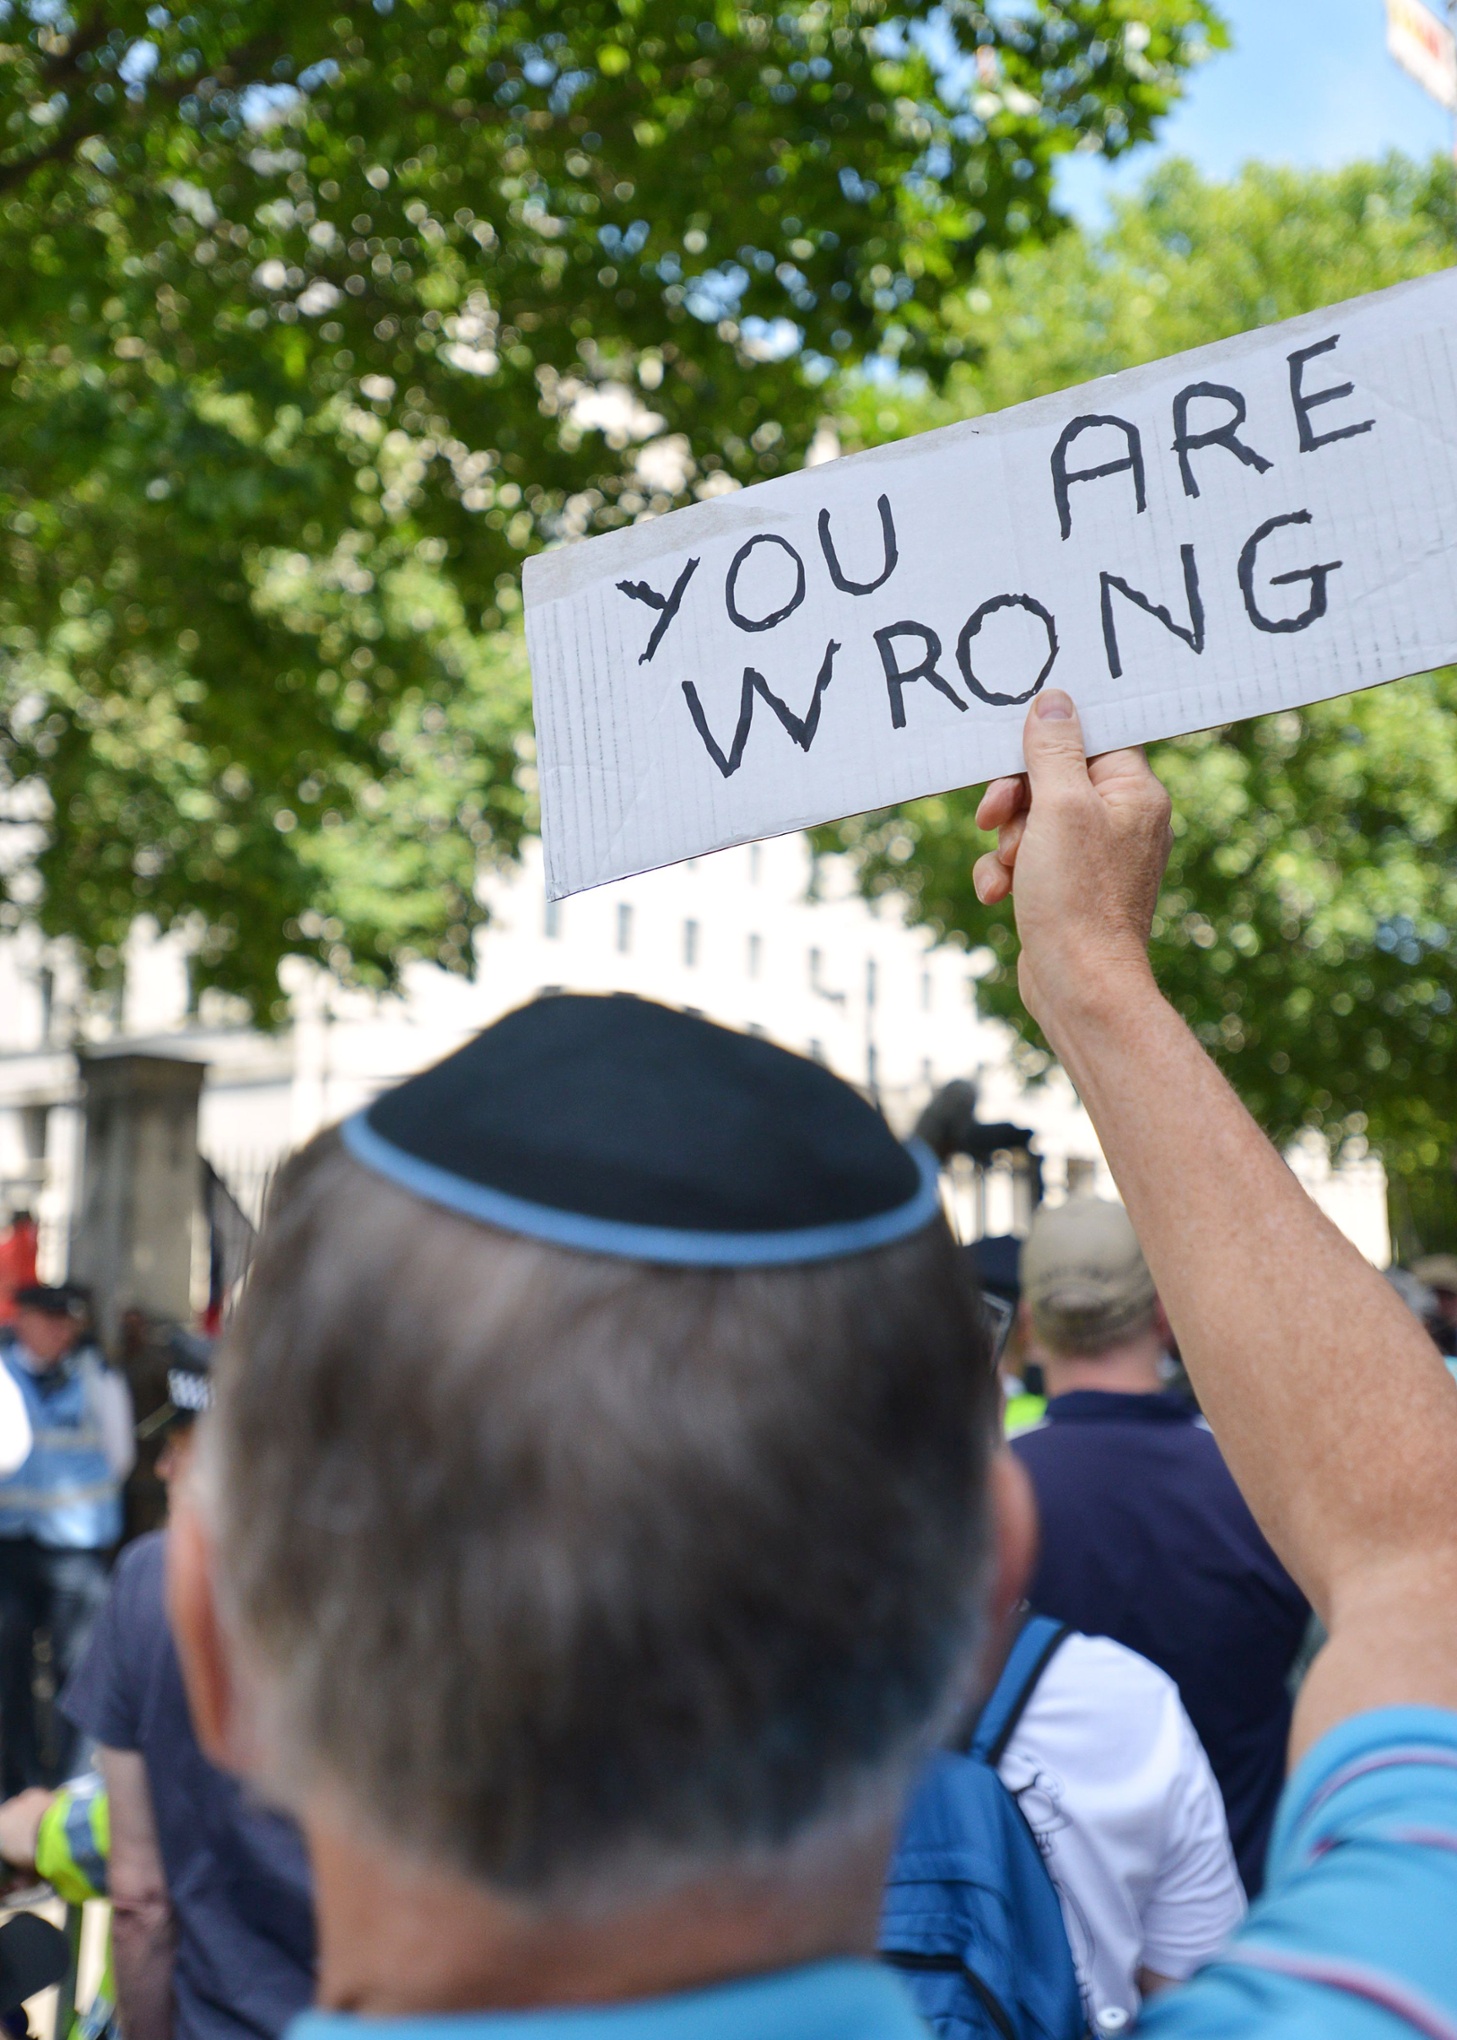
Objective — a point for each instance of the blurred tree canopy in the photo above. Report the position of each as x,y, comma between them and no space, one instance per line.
1308,928
318,316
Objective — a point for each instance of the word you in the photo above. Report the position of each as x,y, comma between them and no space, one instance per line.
911,652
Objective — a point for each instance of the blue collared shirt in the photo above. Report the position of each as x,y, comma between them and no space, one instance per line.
852,1999
1355,1937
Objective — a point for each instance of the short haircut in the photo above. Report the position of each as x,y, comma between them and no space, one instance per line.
574,1574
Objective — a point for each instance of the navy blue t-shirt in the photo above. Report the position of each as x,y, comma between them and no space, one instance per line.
237,1873
1146,1538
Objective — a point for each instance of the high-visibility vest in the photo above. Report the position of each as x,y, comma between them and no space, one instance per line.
72,1854
73,1847
1023,1413
65,1495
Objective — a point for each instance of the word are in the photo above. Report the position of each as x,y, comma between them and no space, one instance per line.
911,652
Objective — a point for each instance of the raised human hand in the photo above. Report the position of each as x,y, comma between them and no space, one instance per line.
1081,847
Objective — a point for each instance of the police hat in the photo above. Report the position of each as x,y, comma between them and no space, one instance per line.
189,1384
54,1299
997,1259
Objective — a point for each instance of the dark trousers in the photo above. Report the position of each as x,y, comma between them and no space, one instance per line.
56,1595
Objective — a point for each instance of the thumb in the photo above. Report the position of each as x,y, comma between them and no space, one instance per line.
1052,742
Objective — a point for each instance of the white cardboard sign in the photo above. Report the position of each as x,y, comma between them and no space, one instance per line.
1250,526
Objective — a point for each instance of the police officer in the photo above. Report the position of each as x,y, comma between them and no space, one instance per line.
60,1516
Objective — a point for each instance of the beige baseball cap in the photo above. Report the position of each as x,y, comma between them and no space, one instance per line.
1438,1271
1084,1277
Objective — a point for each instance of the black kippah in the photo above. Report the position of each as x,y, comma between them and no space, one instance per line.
620,1127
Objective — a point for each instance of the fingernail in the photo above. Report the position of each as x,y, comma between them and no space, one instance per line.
1054,706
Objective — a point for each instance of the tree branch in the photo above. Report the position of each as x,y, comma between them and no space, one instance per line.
67,63
64,145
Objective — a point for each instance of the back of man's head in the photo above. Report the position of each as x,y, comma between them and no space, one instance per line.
582,1571
1084,1278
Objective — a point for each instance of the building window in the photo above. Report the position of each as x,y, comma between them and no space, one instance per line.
756,862
815,961
624,927
552,925
690,944
928,1074
872,981
817,1051
925,991
756,954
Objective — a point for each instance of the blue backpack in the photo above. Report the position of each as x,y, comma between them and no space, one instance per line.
970,1915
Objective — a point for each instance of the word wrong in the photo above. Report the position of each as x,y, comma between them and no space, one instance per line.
1247,527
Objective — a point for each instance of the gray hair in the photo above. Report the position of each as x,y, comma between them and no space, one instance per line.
570,1573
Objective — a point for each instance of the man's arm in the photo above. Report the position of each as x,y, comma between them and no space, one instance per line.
20,1820
141,1913
1331,1405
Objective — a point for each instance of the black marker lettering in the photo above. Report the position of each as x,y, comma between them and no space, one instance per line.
887,532
1131,463
972,627
730,585
1304,404
898,678
1317,577
639,591
1225,435
1193,636
801,729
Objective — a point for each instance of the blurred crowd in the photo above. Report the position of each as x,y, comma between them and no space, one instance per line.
1142,1712
625,1562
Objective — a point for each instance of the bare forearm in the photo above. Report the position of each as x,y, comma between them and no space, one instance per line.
142,1927
1331,1405
142,1947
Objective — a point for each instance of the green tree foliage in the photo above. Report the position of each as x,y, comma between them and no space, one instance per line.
317,316
1310,918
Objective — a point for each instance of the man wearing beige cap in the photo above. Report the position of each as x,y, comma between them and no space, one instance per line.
1439,1272
1145,1537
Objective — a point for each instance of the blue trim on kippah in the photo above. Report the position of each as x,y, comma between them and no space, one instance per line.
657,1243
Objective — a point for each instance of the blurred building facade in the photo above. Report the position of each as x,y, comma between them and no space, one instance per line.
757,938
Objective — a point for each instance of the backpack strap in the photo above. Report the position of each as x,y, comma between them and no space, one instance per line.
1036,1643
